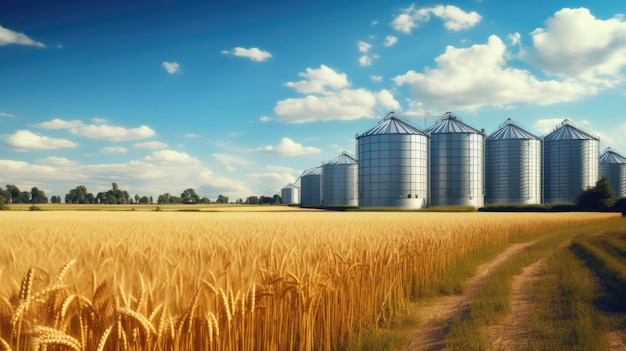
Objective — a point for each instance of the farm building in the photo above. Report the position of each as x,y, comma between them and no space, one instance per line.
613,167
311,188
290,194
339,179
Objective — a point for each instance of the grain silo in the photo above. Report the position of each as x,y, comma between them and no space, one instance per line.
570,162
289,195
340,184
512,166
393,165
456,163
311,188
613,167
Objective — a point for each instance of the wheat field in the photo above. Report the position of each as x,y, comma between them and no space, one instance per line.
227,280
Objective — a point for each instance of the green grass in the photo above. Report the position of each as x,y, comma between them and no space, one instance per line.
493,302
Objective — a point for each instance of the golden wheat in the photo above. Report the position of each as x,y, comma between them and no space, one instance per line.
228,281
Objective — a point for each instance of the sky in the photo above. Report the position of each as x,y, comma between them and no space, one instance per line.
239,97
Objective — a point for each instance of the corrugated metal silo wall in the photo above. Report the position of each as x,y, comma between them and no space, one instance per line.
570,166
456,169
311,190
393,171
616,174
340,185
289,195
513,171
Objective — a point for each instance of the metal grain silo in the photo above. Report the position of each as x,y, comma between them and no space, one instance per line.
311,188
340,180
289,194
456,163
512,166
570,162
393,165
613,167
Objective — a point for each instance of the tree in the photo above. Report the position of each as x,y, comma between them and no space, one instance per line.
599,197
17,196
205,200
5,197
55,199
252,200
79,195
221,199
37,196
189,196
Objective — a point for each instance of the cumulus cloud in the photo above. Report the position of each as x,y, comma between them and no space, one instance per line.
364,47
8,36
319,81
99,131
265,118
390,40
58,161
171,156
546,125
254,54
171,67
376,78
24,140
515,38
192,135
288,147
365,60
114,150
271,182
470,78
150,145
575,43
454,18
329,97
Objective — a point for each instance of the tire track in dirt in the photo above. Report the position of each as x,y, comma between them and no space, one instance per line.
429,333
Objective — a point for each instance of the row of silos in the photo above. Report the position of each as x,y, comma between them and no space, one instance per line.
400,166
334,184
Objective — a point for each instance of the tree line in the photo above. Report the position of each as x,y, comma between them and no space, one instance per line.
80,195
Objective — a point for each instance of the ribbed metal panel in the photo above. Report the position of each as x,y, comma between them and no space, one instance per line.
393,166
613,167
289,195
340,179
456,163
571,163
311,188
512,166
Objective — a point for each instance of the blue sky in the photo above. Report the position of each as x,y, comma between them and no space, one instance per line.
239,97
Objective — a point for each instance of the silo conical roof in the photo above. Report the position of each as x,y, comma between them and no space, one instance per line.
568,131
343,159
312,171
392,125
610,156
509,130
449,123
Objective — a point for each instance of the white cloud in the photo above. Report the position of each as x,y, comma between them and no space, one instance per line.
265,118
329,98
547,125
376,79
575,43
59,124
515,39
114,150
24,140
364,47
390,40
99,131
231,162
282,169
171,156
99,120
365,60
7,115
470,78
171,67
270,182
454,18
150,145
319,80
374,22
288,147
8,36
192,135
58,161
254,54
